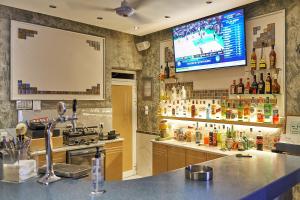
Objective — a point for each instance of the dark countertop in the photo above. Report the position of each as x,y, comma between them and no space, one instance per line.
264,176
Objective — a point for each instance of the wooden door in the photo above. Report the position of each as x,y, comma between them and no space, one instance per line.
176,158
159,159
122,120
113,161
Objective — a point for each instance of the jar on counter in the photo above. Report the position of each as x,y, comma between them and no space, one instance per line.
190,134
163,128
259,142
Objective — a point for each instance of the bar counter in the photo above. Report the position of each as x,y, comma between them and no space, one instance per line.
264,176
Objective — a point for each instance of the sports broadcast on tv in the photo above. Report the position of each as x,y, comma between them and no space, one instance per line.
210,43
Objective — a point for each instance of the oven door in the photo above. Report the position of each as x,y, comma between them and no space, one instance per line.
83,156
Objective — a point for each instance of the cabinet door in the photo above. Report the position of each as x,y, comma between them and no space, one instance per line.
212,156
194,157
113,161
58,157
176,158
159,159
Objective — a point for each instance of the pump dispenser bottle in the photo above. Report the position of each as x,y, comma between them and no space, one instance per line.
97,174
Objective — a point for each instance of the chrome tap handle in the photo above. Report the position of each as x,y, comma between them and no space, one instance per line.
74,116
74,106
61,108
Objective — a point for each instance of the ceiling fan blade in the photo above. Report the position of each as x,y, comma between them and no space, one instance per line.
78,5
140,19
136,4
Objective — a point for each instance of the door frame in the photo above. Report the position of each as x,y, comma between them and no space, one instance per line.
116,81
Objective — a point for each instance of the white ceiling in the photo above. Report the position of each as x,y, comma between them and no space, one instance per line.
87,11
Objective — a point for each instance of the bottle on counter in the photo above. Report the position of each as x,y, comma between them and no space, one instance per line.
240,87
211,136
259,142
228,111
223,108
198,137
268,87
206,135
261,84
233,88
97,174
275,85
254,86
253,113
234,112
268,111
247,87
272,57
215,137
253,60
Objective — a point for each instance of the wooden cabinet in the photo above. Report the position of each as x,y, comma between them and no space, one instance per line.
159,159
212,156
176,158
166,158
194,157
113,161
58,157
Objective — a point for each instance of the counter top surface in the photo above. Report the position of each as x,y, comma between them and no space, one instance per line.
264,176
75,147
196,147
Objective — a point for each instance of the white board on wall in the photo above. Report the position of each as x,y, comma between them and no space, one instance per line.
54,64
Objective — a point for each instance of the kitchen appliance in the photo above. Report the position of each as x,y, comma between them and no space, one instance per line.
84,157
199,172
82,135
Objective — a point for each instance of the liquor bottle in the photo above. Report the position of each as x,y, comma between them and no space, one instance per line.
215,137
240,87
218,110
183,93
206,135
182,109
173,109
268,86
177,113
208,111
188,105
275,115
272,58
275,86
162,73
219,137
246,112
254,86
196,108
233,88
197,134
167,71
247,87
203,110
193,110
228,111
234,112
253,61
260,111
223,108
253,113
213,109
259,141
211,136
261,84
268,111
262,62
240,111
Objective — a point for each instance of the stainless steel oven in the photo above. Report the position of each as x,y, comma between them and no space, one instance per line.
84,156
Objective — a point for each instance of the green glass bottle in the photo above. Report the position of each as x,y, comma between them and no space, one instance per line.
268,111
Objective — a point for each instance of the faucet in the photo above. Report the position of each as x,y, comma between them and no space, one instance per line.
74,115
50,176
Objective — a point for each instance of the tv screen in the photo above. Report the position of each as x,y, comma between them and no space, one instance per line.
213,42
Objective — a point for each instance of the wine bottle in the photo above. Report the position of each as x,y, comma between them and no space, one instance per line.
254,86
268,84
272,58
262,62
253,61
261,84
240,87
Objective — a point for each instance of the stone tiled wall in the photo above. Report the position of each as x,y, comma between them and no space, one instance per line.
120,53
292,7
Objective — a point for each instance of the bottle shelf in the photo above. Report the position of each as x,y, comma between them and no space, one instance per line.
216,121
253,95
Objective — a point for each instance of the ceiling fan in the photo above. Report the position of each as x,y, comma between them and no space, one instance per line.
126,9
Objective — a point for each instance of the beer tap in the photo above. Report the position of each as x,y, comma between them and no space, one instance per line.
50,176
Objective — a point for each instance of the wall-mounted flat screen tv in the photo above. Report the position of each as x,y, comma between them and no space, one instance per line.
213,42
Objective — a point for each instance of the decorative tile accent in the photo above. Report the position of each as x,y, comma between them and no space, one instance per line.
24,88
94,44
24,33
267,36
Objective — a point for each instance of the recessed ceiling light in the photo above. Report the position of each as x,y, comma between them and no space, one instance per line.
167,17
100,18
208,2
52,6
136,27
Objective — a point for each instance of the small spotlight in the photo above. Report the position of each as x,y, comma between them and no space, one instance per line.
100,18
167,17
208,2
52,6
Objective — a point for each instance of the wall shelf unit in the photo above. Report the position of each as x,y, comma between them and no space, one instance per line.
267,125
